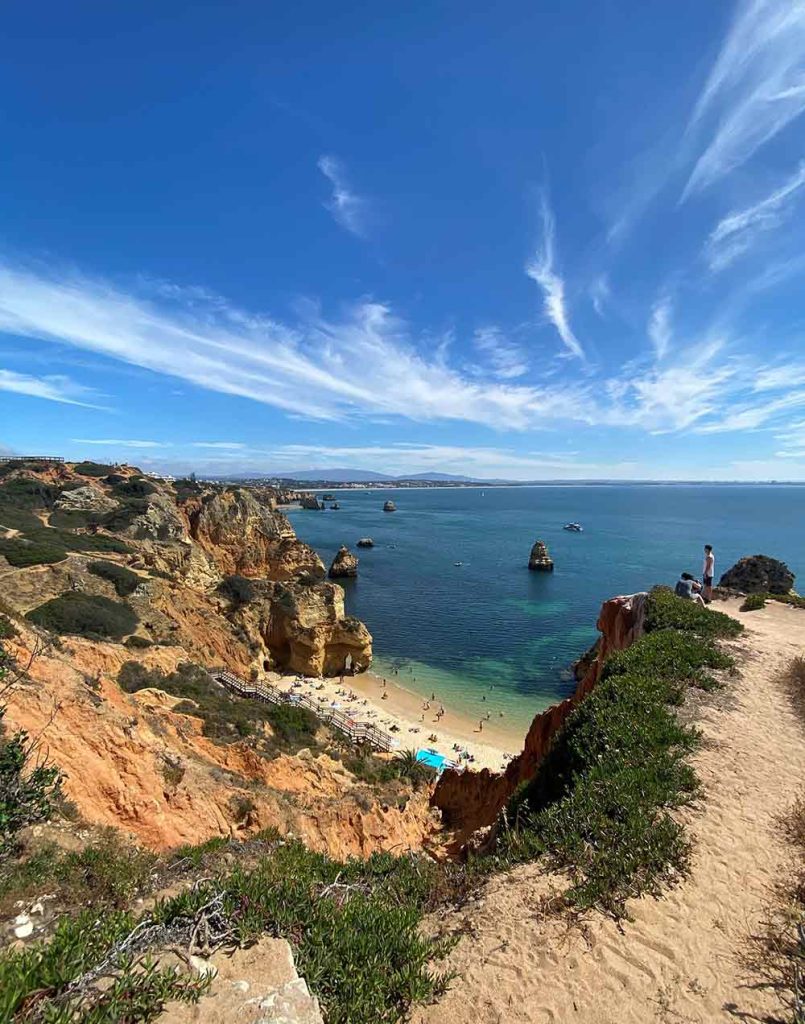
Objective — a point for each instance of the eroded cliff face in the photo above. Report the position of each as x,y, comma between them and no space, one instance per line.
184,539
470,800
304,628
250,538
134,761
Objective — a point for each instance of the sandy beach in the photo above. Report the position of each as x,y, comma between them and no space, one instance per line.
489,744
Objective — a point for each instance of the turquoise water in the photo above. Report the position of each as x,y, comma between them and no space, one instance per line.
457,631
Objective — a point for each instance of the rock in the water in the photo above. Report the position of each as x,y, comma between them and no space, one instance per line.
389,506
366,542
310,501
758,574
344,564
539,560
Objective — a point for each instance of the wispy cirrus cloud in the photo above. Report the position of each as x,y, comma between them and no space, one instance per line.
349,209
52,387
659,326
755,89
600,294
542,270
736,233
370,365
116,442
505,358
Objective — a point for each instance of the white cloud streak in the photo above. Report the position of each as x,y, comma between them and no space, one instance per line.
348,208
506,360
542,270
369,366
52,388
659,326
115,442
755,88
736,233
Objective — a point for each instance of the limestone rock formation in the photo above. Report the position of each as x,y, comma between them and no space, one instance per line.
85,499
470,800
246,537
758,574
159,521
345,564
304,628
310,501
539,560
366,542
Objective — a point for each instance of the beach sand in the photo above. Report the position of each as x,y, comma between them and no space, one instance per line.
491,746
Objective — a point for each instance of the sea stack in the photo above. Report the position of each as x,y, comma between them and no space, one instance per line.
389,506
758,574
366,542
345,564
539,560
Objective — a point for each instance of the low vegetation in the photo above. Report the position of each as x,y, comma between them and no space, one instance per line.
599,806
753,602
124,580
93,469
21,552
226,719
86,615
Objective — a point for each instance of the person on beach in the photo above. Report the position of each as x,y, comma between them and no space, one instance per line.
708,571
689,588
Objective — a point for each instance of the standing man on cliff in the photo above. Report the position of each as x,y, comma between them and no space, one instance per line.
708,571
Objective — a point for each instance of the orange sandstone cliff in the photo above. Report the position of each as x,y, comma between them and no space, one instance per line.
470,800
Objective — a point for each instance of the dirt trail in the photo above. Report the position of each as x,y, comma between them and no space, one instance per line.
677,960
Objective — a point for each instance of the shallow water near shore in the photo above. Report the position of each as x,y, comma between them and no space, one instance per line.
489,636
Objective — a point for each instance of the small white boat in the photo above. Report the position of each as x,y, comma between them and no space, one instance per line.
458,563
573,527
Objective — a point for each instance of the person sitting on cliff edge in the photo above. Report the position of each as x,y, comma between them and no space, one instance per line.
689,588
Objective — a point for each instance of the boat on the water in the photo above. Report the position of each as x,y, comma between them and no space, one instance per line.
573,527
458,563
389,506
335,506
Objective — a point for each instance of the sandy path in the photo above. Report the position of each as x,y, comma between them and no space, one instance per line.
677,960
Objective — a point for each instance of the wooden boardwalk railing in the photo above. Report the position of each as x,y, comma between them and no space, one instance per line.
357,732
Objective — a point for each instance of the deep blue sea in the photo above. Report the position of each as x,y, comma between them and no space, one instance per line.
460,630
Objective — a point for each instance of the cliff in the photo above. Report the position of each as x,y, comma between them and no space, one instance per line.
470,800
244,536
183,540
140,761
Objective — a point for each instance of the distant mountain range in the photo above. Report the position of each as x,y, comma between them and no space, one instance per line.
346,475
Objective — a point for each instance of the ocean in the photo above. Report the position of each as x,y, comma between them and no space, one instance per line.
489,635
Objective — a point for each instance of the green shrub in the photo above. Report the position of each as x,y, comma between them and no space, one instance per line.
599,803
224,718
238,589
186,489
136,642
73,519
92,468
13,518
28,492
134,487
93,542
21,552
85,615
123,517
354,925
753,602
667,611
28,784
124,580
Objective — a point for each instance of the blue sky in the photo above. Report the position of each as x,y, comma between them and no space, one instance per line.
525,240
